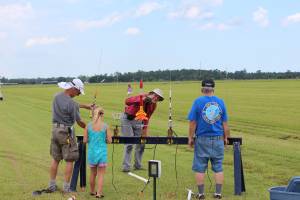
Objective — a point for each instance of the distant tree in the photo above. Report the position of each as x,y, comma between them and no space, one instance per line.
164,75
83,78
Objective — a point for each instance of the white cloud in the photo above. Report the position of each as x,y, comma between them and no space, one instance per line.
191,12
13,13
106,21
214,26
291,19
202,3
133,31
260,16
195,12
147,8
3,35
192,9
97,1
221,26
142,10
207,26
44,41
174,14
212,2
72,1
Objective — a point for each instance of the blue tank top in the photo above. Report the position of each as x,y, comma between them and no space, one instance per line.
97,147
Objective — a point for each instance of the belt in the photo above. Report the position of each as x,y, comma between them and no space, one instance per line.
219,137
59,125
129,117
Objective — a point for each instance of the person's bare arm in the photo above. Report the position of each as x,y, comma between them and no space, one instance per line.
86,106
85,135
132,100
226,132
145,132
81,123
108,135
192,129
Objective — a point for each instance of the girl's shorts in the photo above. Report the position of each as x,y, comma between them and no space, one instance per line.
103,165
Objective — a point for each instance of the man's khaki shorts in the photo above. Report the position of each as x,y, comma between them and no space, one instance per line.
63,146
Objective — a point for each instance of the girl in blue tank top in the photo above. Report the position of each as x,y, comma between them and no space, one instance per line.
97,135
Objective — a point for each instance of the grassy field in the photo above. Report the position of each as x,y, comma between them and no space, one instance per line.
265,113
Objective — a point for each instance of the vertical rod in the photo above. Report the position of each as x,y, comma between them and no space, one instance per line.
237,169
77,165
83,168
154,188
141,93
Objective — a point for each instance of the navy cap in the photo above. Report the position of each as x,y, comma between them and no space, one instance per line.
208,83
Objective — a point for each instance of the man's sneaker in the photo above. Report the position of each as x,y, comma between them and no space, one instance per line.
217,196
139,168
125,170
51,189
200,196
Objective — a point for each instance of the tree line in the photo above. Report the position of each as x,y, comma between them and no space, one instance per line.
163,75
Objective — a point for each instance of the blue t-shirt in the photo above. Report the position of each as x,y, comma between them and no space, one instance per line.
209,112
97,147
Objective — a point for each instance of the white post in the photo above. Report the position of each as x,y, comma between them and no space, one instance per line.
190,192
138,177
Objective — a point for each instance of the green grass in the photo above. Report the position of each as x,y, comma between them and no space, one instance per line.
265,113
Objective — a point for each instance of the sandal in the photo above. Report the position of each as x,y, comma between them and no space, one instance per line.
98,196
93,193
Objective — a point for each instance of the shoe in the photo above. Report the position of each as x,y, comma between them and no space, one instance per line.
200,196
93,193
217,196
125,170
139,168
98,196
51,189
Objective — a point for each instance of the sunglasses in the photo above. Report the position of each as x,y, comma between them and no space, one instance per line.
77,90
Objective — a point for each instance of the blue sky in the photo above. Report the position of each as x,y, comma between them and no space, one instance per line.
79,37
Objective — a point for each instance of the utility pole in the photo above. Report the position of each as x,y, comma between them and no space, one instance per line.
200,70
1,95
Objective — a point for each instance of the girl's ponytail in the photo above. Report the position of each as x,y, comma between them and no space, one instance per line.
98,112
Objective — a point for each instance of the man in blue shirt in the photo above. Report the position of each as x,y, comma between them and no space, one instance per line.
208,123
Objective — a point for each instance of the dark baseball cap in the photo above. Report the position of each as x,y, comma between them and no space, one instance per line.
208,83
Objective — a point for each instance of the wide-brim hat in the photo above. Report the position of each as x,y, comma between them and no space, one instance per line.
76,83
159,93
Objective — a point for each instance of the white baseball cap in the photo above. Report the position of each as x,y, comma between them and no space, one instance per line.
76,83
159,92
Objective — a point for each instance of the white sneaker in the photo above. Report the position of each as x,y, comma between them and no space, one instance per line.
217,196
200,196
